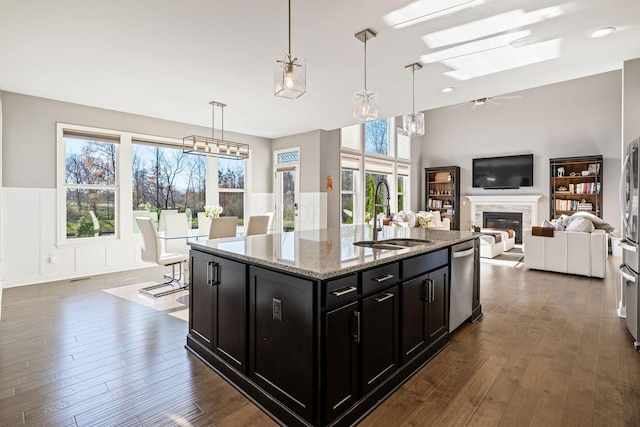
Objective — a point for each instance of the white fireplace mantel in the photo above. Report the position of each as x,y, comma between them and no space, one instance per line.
527,204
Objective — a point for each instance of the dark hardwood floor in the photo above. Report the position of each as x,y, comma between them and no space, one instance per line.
549,351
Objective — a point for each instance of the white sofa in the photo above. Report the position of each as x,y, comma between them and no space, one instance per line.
569,252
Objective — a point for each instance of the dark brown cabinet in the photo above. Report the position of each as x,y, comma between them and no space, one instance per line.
218,298
442,192
425,313
379,337
343,336
281,337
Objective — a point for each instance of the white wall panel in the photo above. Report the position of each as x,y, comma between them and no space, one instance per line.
91,257
21,212
120,253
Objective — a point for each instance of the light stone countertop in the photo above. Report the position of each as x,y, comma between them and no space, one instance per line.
327,253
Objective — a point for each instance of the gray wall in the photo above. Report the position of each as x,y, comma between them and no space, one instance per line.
330,166
631,101
29,138
574,118
309,144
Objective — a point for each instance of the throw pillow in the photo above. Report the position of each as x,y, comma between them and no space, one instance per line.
546,223
426,221
410,217
559,226
597,222
580,224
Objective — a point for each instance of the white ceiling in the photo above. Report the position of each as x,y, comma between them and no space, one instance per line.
168,59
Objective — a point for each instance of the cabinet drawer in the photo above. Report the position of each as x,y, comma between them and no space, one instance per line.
341,290
377,278
424,263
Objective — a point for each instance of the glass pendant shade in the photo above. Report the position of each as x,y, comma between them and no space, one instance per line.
365,106
290,77
413,124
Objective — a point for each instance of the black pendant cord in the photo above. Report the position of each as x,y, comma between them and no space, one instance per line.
413,89
289,29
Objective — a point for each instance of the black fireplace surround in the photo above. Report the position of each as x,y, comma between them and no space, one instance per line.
504,221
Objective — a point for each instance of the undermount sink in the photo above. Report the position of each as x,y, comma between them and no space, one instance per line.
393,244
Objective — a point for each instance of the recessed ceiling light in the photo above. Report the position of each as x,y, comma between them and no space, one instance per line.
447,89
601,32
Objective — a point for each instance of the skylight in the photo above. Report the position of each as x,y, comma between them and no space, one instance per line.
423,10
474,47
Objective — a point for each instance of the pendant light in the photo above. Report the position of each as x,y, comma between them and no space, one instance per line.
290,76
413,123
365,102
215,147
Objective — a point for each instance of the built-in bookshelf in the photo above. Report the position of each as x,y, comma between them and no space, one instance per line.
576,185
442,192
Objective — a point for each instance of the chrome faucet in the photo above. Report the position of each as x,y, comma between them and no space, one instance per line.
376,227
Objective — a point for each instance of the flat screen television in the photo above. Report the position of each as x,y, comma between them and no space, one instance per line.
503,172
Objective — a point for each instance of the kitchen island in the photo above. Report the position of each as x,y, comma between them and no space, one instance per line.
316,330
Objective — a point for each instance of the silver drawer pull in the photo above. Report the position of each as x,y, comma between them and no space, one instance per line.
628,247
383,278
384,298
344,291
623,272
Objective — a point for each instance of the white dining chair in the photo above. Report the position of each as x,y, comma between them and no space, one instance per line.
176,225
257,225
204,224
224,226
270,226
152,252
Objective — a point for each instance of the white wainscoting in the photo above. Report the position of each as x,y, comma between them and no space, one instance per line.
29,250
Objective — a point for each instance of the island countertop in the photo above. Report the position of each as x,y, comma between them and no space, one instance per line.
327,253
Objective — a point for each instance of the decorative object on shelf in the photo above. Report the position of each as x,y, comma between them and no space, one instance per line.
413,123
215,147
290,76
594,168
560,171
365,102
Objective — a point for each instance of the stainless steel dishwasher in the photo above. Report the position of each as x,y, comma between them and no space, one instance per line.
462,265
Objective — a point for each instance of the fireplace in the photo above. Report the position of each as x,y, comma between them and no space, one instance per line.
504,221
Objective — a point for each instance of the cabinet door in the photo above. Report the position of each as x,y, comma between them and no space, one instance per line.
342,328
201,298
437,303
379,337
281,337
414,317
230,311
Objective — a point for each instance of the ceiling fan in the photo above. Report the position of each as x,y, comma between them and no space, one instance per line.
483,101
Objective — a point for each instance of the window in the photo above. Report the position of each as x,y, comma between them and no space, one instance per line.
90,184
165,178
231,187
380,147
402,187
351,137
376,137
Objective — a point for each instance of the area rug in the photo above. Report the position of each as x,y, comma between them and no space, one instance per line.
173,304
511,259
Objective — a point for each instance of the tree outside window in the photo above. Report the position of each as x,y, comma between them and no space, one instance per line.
165,178
90,185
376,137
372,180
231,187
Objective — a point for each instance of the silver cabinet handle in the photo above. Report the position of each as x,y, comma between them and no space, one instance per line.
432,291
344,291
428,293
623,272
465,253
628,247
356,337
383,278
384,297
213,273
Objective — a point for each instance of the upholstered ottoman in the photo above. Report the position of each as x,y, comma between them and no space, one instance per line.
491,244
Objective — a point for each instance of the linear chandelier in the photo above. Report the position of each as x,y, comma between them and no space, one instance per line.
290,74
413,123
365,103
215,147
